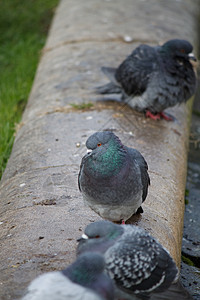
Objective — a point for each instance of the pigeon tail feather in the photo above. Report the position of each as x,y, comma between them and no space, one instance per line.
110,73
109,88
174,292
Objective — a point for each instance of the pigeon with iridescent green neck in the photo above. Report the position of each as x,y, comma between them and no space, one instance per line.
83,280
152,79
113,178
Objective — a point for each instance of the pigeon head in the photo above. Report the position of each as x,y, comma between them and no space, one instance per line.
107,155
85,268
178,48
88,271
99,139
103,229
99,236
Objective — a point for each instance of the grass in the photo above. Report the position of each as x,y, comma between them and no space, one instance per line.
23,29
186,195
82,106
187,261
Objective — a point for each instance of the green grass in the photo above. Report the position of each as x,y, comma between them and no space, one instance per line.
23,29
187,261
186,195
82,105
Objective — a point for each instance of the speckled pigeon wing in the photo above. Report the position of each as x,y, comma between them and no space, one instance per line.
139,159
137,263
134,73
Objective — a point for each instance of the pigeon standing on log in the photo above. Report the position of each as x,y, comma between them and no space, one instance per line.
83,280
113,178
139,265
152,79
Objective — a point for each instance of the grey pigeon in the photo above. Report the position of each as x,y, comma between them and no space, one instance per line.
113,178
152,79
83,280
139,265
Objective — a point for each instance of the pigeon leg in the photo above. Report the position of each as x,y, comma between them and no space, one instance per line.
152,116
166,116
123,222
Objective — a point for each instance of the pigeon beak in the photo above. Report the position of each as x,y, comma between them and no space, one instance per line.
89,151
192,57
83,237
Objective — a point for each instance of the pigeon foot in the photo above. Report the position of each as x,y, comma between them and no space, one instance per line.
152,116
166,116
158,116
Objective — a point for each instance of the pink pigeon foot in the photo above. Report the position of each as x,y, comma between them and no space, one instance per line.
166,117
152,116
158,116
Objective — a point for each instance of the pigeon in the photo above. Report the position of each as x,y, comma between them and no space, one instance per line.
139,265
113,178
152,79
83,280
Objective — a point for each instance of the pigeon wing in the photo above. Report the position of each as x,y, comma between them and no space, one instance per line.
81,169
134,73
139,264
139,159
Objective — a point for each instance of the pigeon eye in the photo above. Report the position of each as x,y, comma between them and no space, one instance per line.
182,50
99,144
97,236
